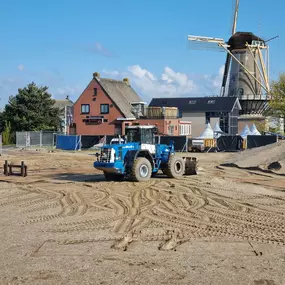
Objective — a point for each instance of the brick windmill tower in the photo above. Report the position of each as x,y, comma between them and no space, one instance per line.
246,73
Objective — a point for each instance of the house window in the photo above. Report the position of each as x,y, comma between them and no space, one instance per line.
95,92
104,109
184,130
170,130
85,108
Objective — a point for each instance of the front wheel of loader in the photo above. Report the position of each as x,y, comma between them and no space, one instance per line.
175,167
141,170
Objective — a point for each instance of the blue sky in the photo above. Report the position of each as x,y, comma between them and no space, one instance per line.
60,43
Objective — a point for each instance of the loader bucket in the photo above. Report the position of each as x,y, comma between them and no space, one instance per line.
191,166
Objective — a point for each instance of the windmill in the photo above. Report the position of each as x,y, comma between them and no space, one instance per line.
246,73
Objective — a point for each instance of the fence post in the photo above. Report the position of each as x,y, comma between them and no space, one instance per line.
53,144
41,138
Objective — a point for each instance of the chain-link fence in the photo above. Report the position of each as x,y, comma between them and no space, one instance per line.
35,139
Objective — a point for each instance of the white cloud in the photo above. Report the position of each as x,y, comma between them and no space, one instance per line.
21,67
139,72
169,83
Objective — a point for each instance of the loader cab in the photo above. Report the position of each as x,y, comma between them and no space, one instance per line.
141,134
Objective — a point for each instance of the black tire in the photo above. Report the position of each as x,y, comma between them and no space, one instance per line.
141,170
175,167
113,176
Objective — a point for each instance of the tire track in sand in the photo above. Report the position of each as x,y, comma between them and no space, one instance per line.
71,204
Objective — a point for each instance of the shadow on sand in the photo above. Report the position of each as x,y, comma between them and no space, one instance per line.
74,177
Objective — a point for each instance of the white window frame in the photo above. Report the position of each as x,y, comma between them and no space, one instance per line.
185,129
85,108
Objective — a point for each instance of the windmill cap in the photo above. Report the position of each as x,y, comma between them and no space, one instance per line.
239,39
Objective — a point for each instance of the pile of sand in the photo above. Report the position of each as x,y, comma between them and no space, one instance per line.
270,157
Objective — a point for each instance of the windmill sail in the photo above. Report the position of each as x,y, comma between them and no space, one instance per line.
226,72
229,58
234,27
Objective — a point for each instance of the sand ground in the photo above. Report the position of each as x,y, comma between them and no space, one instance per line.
63,224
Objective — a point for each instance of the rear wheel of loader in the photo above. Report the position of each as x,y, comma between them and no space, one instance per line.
175,167
113,176
141,170
191,166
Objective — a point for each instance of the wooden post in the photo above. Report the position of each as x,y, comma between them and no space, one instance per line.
6,168
22,168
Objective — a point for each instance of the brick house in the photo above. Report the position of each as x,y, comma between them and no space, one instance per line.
107,106
104,105
166,126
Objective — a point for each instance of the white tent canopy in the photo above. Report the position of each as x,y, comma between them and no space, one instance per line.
245,132
207,133
217,130
254,131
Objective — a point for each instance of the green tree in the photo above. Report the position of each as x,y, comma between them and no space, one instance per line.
277,103
6,135
32,109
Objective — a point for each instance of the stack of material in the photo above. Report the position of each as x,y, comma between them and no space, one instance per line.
254,131
217,131
207,133
245,132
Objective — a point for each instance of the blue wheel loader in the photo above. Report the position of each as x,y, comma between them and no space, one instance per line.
139,158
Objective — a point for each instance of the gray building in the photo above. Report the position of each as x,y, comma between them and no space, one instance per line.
202,110
66,111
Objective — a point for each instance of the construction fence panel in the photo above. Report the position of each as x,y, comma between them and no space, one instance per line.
21,139
35,139
68,142
180,142
229,143
48,139
90,141
258,141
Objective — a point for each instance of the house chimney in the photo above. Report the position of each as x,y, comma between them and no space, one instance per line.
126,80
96,74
